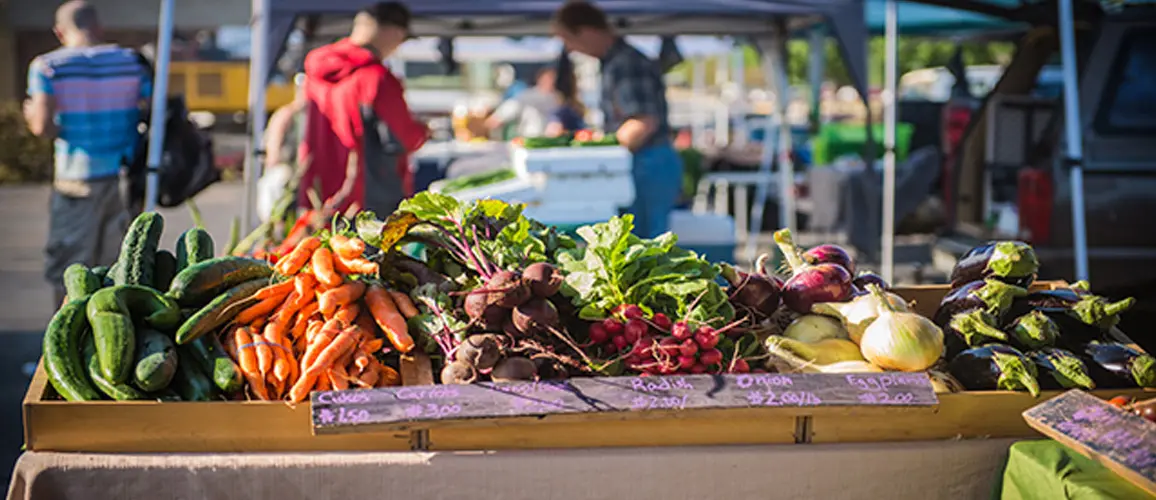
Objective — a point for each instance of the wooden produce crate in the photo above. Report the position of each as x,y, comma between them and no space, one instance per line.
217,427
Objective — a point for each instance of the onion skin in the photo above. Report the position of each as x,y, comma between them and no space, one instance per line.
812,328
818,283
901,341
830,254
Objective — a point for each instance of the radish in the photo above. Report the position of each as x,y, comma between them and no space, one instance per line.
830,254
688,347
598,334
681,331
613,327
631,312
661,321
619,343
698,369
740,365
635,329
809,283
710,357
686,362
706,337
669,347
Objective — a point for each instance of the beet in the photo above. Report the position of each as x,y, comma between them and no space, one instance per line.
544,279
513,369
458,373
811,284
759,293
510,329
550,369
535,316
830,254
479,351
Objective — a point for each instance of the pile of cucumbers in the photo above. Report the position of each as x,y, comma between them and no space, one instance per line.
139,330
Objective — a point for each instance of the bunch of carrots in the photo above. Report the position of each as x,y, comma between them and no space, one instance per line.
319,328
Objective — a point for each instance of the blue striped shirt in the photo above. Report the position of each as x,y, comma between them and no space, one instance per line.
97,91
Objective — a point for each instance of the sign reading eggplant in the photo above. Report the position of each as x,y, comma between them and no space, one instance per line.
415,407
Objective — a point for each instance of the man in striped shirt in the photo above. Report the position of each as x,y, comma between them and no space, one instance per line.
87,96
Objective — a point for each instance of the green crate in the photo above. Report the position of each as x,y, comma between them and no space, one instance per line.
836,140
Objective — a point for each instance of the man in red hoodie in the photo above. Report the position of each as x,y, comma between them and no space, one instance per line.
357,106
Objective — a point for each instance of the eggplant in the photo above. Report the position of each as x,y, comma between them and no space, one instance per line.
1033,330
1012,262
995,367
1093,310
991,295
970,329
1074,332
1060,369
1117,366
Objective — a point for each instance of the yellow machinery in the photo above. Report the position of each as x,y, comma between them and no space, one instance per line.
222,88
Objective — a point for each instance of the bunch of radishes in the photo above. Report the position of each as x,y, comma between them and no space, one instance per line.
659,346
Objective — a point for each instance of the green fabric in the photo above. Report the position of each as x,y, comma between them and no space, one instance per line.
835,140
1048,470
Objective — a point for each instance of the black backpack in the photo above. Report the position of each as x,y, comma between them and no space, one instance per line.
187,164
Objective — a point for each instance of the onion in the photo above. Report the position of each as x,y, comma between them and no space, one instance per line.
833,254
756,291
810,283
788,356
814,328
858,314
899,340
823,352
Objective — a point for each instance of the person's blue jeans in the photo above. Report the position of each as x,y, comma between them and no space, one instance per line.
657,185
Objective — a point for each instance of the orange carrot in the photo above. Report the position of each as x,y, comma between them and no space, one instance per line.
369,377
356,265
361,359
247,360
319,342
313,329
300,323
304,284
336,298
348,315
281,373
322,264
338,378
372,346
390,321
403,303
258,310
290,264
349,248
365,321
275,290
389,377
264,353
258,323
334,351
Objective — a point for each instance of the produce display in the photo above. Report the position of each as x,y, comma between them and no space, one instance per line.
581,138
1145,408
478,180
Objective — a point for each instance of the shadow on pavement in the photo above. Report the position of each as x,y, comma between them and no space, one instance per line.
19,348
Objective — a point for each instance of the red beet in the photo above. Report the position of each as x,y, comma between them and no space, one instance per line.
681,331
535,316
810,284
544,279
830,254
507,289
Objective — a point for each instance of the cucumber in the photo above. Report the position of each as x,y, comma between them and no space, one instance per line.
156,361
111,312
138,251
101,273
119,392
80,282
189,382
62,349
195,246
201,282
141,304
164,269
215,362
220,310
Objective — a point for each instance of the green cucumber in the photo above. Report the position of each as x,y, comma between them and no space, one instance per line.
156,361
220,310
164,269
138,251
194,247
119,392
111,312
215,362
201,282
62,349
189,382
101,273
80,282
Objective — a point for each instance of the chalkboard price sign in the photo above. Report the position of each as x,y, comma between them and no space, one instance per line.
413,406
1120,440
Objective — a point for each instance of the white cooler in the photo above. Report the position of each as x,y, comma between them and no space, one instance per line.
709,235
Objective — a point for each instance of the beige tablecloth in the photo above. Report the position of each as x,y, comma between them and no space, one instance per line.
953,470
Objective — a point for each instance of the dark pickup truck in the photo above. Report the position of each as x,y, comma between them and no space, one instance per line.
1015,137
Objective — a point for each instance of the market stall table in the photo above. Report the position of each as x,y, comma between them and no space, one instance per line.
953,470
433,161
1046,469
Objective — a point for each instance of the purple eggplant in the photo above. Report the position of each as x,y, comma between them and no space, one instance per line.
756,292
991,295
869,278
1060,369
1013,262
1033,330
995,367
970,329
830,254
1117,366
1093,310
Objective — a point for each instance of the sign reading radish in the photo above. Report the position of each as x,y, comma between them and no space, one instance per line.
425,406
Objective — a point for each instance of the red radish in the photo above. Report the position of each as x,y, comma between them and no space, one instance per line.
610,347
598,334
687,362
681,331
631,311
644,347
612,326
756,291
739,365
669,346
698,368
620,343
635,329
688,347
830,254
706,337
811,284
643,374
710,357
661,321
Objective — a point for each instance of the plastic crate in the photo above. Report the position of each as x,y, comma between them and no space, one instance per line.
573,160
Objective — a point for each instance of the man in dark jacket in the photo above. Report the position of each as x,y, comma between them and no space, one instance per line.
350,94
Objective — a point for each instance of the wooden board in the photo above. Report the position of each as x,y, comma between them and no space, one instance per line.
1119,440
457,405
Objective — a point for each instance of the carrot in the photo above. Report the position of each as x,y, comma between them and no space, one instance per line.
389,377
356,265
385,313
361,359
300,323
323,384
264,353
319,342
258,310
334,351
247,360
346,247
365,321
322,264
369,377
259,323
403,303
281,372
372,346
290,264
338,378
312,330
338,297
275,290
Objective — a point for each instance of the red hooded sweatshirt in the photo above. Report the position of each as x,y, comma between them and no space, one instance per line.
340,79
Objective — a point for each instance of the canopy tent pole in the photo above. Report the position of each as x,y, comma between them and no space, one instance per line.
762,187
815,72
774,56
698,127
739,72
258,77
160,103
722,112
786,165
1074,154
890,71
